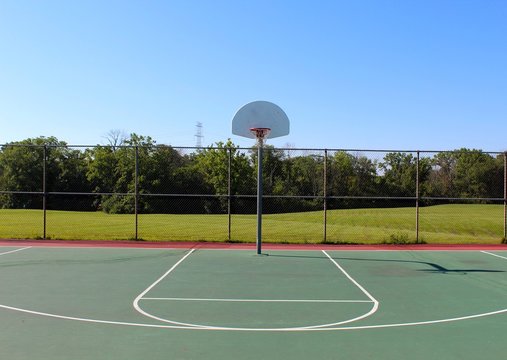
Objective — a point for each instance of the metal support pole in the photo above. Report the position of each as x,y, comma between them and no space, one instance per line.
325,195
260,144
136,194
44,190
417,199
229,193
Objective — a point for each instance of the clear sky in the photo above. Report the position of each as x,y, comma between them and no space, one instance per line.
380,74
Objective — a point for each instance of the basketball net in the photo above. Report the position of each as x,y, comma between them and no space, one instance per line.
260,134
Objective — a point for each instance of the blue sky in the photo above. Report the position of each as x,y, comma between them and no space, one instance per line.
383,74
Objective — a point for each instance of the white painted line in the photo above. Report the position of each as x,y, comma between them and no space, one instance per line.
328,327
13,251
202,326
487,252
418,323
350,278
163,276
140,296
343,328
373,300
63,317
261,300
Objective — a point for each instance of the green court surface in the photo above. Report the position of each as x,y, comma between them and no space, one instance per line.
128,303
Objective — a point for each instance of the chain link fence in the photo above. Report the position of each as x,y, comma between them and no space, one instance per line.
156,192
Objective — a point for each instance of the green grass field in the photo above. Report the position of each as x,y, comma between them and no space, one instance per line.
447,224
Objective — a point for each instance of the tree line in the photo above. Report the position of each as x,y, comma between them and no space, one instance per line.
167,179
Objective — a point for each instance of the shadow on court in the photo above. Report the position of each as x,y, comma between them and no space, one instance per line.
432,267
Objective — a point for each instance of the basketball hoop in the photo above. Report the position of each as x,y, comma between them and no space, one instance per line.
260,133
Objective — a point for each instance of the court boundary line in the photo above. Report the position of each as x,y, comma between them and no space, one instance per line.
16,250
489,253
345,328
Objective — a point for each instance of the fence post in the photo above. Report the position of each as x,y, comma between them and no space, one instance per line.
417,200
136,190
44,190
325,195
229,194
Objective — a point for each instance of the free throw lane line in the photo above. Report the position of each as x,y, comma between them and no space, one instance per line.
351,279
141,295
261,300
203,326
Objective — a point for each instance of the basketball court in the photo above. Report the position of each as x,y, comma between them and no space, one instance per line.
66,300
135,300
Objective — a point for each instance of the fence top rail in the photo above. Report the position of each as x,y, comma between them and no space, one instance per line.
243,148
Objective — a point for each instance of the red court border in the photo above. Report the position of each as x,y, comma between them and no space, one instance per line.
243,246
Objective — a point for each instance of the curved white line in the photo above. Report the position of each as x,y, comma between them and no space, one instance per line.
373,300
140,296
211,327
365,327
428,322
63,317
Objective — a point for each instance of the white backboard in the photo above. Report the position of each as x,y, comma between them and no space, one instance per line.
260,114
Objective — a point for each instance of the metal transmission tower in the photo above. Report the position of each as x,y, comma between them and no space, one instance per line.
198,135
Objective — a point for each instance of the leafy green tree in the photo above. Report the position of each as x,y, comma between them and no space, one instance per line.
212,163
466,173
441,179
112,169
306,176
101,168
273,171
301,176
399,175
161,169
21,165
22,169
340,174
365,175
498,176
351,175
164,170
472,173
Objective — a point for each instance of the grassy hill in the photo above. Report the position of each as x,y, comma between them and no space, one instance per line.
438,224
